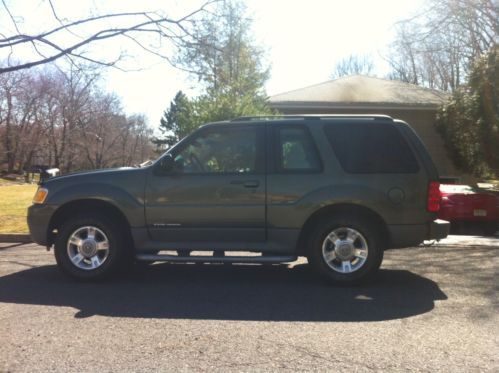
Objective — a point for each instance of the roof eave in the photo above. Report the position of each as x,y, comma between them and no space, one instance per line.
297,105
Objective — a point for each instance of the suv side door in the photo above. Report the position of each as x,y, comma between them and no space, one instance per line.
295,169
216,191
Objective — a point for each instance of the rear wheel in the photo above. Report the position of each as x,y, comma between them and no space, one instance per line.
491,228
345,250
91,247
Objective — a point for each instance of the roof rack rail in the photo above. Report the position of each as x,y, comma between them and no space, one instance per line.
313,116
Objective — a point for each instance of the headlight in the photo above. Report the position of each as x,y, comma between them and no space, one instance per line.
40,195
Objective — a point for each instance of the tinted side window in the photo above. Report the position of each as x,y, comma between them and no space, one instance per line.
296,151
228,150
371,148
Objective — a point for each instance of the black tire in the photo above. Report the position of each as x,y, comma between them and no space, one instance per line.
490,228
369,235
118,252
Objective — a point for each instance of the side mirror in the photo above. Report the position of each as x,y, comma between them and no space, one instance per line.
166,164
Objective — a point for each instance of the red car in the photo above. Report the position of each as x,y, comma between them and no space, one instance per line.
465,206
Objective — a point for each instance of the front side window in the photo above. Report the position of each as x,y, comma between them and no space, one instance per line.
296,151
227,150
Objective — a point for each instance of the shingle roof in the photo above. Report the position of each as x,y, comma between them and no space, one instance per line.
357,90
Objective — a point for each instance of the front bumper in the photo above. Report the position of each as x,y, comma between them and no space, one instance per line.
38,222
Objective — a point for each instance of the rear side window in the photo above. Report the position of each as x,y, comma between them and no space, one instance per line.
371,148
296,151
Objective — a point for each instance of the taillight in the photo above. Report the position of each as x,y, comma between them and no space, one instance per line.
434,197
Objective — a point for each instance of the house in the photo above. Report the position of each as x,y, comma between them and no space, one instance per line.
357,94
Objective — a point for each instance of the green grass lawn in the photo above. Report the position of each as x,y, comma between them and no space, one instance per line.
14,200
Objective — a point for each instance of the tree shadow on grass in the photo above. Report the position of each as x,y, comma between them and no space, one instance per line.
239,292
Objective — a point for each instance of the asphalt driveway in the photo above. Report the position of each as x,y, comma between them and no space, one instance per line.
430,309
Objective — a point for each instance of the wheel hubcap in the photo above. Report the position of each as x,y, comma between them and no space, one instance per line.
88,247
345,250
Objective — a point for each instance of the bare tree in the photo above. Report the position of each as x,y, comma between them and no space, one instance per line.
437,48
54,43
135,141
31,127
353,65
68,96
66,120
17,116
7,117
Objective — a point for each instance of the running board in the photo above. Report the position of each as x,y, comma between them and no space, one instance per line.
212,259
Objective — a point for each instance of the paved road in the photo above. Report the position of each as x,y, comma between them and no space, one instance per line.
431,309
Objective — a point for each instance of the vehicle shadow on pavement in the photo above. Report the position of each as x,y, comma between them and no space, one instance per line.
243,292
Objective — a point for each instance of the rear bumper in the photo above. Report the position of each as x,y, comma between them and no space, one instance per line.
408,235
438,229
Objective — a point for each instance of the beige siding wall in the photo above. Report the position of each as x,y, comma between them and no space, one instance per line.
423,122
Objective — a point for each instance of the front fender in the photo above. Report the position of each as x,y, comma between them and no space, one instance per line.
132,206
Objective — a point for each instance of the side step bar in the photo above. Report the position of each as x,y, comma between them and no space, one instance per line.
212,259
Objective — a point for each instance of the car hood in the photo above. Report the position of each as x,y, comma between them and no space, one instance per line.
95,175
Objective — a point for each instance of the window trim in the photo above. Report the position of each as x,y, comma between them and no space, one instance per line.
276,153
260,150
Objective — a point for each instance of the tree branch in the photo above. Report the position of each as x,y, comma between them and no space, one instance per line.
163,26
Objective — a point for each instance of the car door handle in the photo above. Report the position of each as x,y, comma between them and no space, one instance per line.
246,183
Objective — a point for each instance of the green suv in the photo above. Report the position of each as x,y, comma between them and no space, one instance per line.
339,190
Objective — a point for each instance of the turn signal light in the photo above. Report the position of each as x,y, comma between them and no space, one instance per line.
40,195
434,197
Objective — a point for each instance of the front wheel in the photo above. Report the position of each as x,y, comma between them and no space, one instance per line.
345,250
90,247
